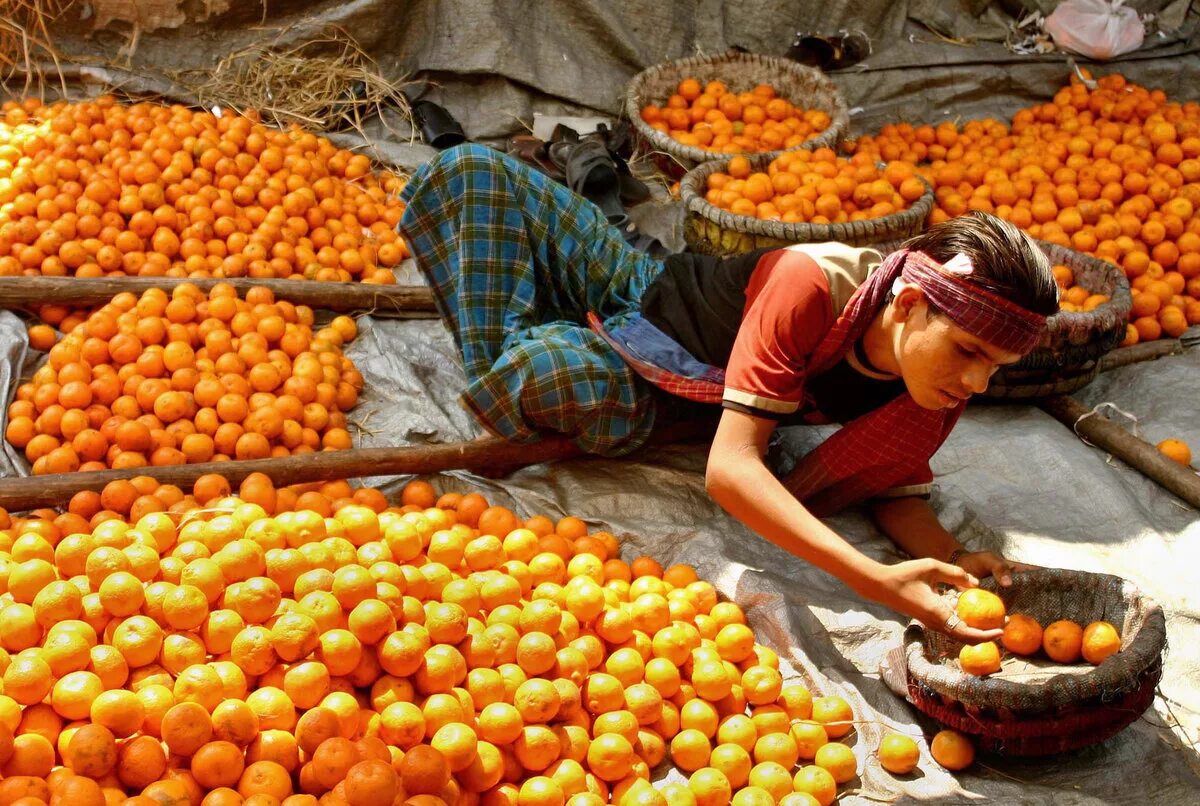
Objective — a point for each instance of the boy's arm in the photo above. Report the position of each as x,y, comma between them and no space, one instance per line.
913,526
740,482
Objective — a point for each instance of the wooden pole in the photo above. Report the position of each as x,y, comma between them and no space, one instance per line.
1135,353
490,455
19,494
1138,454
411,302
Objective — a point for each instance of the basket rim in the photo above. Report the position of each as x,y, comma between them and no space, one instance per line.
1123,670
838,124
798,232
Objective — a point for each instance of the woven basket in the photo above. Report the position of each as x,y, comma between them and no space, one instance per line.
805,87
1068,357
1034,707
710,230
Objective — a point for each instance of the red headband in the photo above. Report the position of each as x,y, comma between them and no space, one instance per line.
976,310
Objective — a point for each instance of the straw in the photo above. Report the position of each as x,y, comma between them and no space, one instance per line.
327,83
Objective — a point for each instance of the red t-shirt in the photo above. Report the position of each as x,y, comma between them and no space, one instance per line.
788,311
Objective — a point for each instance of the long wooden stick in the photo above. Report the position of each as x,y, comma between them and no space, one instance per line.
1146,351
413,302
17,494
1138,454
491,455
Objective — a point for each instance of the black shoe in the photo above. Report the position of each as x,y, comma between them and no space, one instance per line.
842,49
438,127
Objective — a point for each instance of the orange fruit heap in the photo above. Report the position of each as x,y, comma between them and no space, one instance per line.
814,186
101,188
714,118
316,644
185,378
1112,172
1074,297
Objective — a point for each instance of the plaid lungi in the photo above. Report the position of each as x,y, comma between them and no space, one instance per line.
516,262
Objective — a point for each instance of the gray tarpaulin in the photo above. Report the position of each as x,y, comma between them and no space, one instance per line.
1009,478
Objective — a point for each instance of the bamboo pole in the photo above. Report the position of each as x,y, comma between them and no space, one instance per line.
1137,453
1136,353
19,494
490,455
411,302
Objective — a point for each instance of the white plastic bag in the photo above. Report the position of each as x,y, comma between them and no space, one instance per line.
1098,29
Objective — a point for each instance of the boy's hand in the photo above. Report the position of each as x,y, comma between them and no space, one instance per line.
990,564
909,588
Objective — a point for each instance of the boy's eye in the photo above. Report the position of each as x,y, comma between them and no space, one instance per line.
969,353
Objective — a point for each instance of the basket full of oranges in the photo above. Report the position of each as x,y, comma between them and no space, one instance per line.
714,107
802,196
1079,659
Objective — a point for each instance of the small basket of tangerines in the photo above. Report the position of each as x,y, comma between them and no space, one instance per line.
1079,660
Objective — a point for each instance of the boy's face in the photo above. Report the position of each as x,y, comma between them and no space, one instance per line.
942,365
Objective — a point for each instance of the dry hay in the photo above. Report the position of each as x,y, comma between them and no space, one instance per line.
324,84
25,39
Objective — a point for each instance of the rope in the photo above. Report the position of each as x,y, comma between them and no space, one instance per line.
1097,411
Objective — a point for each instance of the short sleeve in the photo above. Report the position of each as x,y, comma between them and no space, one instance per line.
918,485
788,311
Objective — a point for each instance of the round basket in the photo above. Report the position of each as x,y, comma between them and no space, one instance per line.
1034,707
1068,357
805,87
710,230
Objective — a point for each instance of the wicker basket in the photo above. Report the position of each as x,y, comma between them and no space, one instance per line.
1034,707
710,230
1068,357
805,87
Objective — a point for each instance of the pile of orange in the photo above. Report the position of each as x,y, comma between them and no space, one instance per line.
1063,641
185,378
1112,172
1072,296
816,186
315,644
713,118
102,188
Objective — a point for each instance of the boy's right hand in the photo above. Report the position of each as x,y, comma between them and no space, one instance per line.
908,587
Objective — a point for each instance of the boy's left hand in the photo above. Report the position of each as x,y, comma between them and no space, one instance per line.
990,564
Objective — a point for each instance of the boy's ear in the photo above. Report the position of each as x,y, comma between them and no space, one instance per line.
906,299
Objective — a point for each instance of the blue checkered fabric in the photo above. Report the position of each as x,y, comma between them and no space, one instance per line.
516,261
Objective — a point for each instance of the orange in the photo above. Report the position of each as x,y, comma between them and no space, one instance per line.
980,659
838,760
710,787
1062,641
952,750
834,715
1022,635
817,783
980,609
898,754
1176,450
423,771
1100,639
92,751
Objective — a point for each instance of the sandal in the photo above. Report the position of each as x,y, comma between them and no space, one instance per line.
533,151
592,173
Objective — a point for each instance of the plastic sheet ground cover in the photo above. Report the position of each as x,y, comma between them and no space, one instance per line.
1009,478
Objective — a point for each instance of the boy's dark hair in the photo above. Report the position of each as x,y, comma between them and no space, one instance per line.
1006,261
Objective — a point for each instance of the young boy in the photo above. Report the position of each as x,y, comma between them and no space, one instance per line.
565,329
